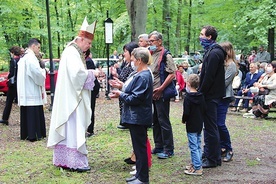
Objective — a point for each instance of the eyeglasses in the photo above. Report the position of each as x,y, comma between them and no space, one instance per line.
151,41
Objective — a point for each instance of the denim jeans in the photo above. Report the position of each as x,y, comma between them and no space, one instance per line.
195,148
225,141
246,102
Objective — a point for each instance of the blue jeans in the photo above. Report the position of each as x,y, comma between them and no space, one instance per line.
225,141
246,102
195,148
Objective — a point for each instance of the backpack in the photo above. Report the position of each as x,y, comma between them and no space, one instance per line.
170,91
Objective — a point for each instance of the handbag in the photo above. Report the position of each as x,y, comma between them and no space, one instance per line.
263,91
170,91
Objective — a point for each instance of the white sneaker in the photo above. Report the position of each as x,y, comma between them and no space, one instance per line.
133,167
133,172
249,115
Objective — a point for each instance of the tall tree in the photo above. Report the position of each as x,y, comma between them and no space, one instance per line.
137,11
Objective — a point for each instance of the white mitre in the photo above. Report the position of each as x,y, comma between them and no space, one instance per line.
87,30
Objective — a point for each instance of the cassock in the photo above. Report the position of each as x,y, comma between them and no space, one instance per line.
30,81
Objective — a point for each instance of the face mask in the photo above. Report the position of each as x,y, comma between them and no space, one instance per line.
133,66
268,69
205,43
152,48
261,70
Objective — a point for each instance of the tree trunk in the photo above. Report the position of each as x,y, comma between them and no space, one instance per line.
271,38
178,29
137,11
187,48
166,23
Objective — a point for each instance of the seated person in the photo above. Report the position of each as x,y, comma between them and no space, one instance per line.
251,77
262,101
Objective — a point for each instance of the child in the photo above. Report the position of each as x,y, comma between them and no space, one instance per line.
193,109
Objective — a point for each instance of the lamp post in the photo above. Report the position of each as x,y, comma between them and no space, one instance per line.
52,73
168,19
108,27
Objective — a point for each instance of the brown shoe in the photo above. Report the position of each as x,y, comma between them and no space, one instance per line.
192,171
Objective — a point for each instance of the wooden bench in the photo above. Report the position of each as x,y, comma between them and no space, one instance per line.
244,97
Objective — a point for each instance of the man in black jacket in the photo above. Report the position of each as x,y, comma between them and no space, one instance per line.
212,85
15,52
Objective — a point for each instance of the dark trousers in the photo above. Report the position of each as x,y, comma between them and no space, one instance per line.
138,135
32,123
94,94
11,96
162,128
211,133
225,141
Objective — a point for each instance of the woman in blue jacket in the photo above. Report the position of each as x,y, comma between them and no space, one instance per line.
136,93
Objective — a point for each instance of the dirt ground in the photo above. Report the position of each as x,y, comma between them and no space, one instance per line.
253,140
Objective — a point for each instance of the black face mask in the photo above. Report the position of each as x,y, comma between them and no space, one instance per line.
185,69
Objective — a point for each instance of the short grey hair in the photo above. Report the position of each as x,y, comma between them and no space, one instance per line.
144,36
141,53
156,34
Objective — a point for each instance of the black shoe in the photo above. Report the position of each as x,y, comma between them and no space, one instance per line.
206,163
85,169
122,127
131,179
129,161
88,134
156,150
4,122
228,157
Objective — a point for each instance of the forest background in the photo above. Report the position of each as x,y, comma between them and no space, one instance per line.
245,23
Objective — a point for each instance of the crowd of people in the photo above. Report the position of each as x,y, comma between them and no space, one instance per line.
145,81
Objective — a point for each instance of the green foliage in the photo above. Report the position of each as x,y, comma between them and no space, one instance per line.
242,22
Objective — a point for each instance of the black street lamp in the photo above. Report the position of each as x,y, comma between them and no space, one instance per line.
108,27
168,19
52,73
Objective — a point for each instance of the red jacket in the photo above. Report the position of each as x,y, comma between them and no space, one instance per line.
180,80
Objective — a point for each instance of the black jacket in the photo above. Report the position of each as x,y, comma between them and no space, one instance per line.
193,111
212,79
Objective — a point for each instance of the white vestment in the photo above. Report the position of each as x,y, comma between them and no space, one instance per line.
30,80
71,111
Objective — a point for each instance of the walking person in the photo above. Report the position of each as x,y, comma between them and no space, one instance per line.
30,82
162,128
193,110
71,114
137,111
15,53
212,85
230,72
